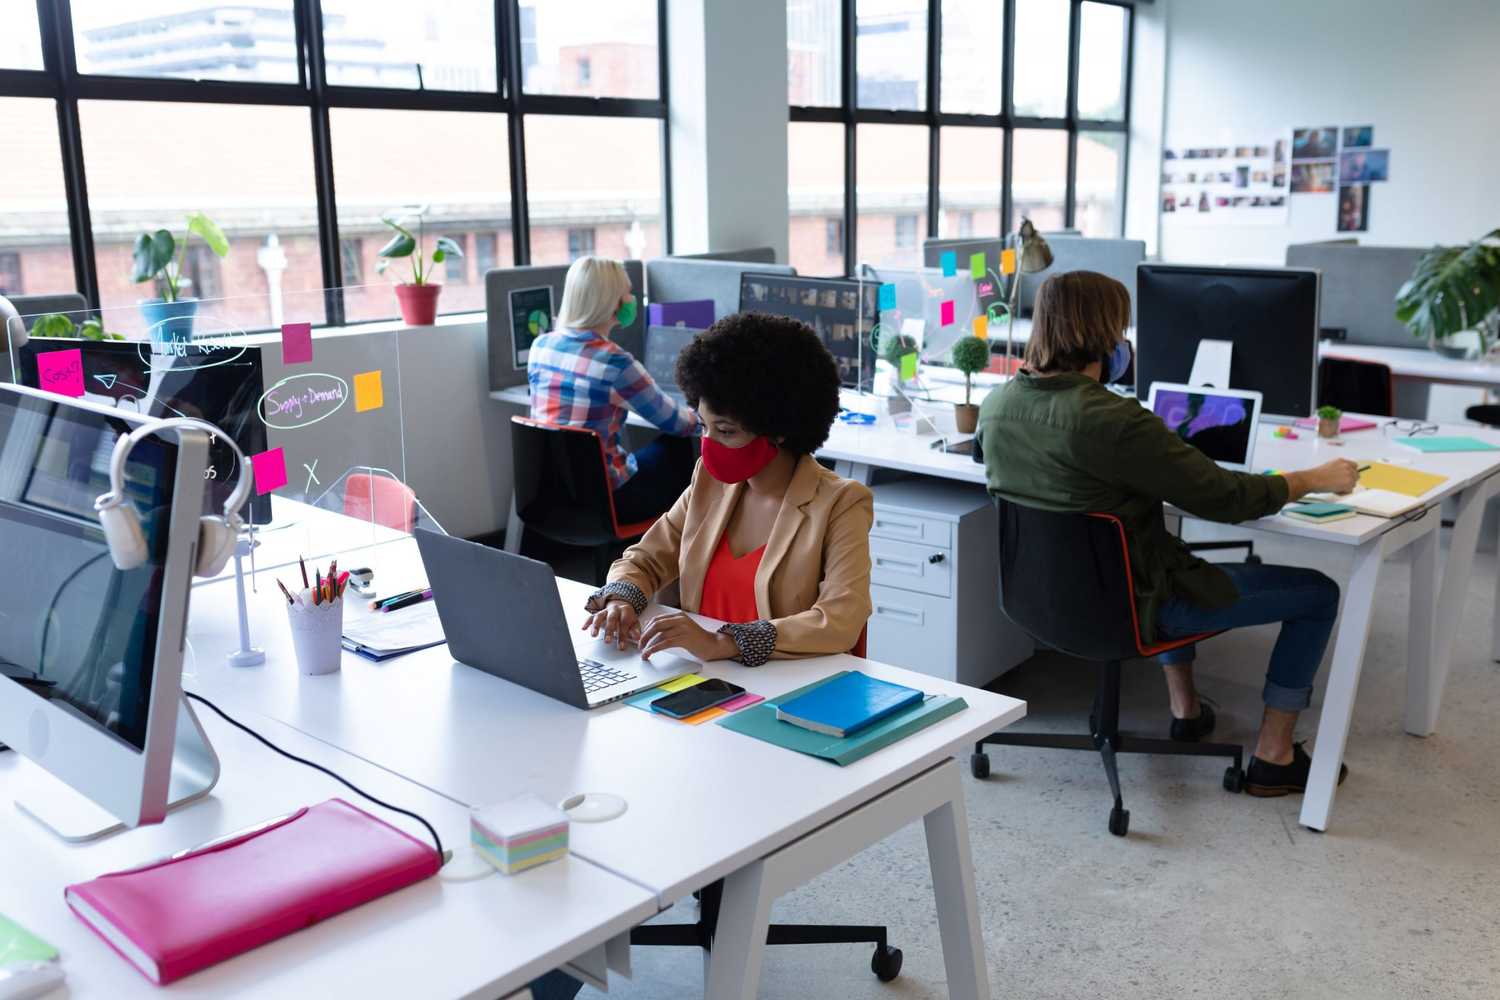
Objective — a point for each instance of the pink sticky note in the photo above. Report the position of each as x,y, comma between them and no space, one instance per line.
296,343
947,310
269,469
61,372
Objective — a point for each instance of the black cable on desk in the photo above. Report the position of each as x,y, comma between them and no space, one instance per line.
319,767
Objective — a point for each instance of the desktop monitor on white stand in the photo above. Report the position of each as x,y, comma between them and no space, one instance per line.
91,655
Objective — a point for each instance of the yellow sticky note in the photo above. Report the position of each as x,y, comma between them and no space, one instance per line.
1007,262
908,367
1407,482
677,684
369,394
982,327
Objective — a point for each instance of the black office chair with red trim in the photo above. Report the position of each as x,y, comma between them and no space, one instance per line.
563,491
1066,580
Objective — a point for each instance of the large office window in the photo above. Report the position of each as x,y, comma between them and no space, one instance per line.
526,130
963,117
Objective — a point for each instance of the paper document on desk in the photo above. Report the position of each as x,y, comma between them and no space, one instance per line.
1377,503
1386,477
379,635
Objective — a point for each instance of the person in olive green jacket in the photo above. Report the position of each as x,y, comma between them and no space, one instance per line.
1055,438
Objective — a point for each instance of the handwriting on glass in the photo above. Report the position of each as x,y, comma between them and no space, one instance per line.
303,399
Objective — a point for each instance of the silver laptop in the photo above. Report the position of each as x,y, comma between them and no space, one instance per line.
1221,423
502,614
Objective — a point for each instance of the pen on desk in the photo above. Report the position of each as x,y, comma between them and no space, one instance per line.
376,605
407,601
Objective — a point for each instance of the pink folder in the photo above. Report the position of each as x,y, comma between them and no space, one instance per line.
1346,424
172,917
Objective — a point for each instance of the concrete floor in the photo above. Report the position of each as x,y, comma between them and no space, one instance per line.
1212,895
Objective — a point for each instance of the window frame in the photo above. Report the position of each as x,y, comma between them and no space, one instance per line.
61,81
848,114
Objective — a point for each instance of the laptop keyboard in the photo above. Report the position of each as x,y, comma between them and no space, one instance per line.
597,676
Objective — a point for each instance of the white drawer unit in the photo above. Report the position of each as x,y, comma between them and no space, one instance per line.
934,583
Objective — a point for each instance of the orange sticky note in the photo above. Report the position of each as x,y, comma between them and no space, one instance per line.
1007,262
982,327
369,394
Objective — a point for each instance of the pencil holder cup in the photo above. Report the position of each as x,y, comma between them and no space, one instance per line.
317,633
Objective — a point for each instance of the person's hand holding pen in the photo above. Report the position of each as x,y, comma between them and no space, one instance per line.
1338,476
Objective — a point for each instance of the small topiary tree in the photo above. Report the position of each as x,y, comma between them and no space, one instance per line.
970,355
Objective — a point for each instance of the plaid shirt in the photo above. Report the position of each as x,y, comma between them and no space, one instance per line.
581,380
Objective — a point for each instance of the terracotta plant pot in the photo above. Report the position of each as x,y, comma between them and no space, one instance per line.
966,417
1328,427
418,303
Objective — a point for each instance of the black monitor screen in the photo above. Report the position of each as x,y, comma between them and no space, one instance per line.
1270,316
76,630
210,383
530,316
842,311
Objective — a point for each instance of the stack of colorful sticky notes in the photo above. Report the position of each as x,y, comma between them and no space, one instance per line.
518,834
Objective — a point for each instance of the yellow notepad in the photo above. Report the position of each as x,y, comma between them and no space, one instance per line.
1399,479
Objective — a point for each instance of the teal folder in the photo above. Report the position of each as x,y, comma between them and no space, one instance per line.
760,722
1442,444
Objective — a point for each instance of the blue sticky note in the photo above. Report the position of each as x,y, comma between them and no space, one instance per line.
949,260
888,296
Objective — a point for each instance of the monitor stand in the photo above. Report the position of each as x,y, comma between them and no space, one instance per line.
74,819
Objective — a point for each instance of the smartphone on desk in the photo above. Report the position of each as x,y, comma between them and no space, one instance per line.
691,701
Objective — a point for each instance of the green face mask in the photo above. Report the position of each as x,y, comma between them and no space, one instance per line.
626,314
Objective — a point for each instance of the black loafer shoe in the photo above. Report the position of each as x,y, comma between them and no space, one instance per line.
1194,729
1268,781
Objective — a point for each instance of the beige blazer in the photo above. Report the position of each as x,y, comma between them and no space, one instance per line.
814,578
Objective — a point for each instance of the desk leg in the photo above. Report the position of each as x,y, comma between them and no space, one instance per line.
733,967
513,527
948,854
1343,683
857,471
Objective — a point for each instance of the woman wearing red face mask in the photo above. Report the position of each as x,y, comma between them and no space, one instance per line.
764,538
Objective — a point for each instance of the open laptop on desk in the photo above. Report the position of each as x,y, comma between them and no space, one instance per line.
502,614
1218,422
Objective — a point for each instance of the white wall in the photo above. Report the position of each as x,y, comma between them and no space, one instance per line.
1424,73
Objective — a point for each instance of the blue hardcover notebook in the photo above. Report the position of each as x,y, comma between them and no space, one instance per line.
847,704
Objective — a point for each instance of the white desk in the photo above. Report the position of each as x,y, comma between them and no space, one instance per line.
473,939
1418,363
704,803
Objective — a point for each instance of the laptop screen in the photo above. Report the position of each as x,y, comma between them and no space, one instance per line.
1220,426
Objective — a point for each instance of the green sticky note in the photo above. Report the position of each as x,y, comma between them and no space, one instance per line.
976,266
908,367
17,944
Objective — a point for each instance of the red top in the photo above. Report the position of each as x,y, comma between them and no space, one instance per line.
729,585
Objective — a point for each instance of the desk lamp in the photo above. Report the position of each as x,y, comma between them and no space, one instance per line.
1032,255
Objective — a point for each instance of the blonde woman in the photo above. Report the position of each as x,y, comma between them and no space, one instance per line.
581,378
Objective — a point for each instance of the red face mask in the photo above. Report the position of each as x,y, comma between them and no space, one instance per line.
735,465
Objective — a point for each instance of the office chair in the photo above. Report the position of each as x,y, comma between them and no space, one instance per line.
563,492
381,499
1070,587
1356,386
1484,413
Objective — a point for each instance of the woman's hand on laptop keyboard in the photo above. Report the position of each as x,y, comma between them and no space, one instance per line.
677,630
618,622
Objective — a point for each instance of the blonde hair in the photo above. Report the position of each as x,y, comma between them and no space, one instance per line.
592,293
1078,318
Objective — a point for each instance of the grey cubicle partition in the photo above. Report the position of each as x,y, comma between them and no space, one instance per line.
1359,288
499,283
755,255
678,279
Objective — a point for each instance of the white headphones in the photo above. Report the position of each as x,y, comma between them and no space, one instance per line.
122,525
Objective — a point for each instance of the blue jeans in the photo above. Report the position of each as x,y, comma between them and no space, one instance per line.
555,985
1305,602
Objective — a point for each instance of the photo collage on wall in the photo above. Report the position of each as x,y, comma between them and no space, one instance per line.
1329,159
1245,183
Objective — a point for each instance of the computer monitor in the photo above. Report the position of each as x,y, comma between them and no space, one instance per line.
843,311
91,655
1218,422
531,315
920,294
1269,315
222,385
663,344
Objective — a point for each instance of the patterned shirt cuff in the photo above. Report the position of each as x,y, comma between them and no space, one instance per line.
756,640
623,589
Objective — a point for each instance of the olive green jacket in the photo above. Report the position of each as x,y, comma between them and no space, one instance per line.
1067,443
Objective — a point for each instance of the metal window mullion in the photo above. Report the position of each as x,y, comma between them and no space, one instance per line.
850,96
934,107
520,226
1129,77
311,15
1070,183
1007,98
55,21
664,93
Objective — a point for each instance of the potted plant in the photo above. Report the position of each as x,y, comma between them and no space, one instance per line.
969,355
418,297
61,325
1328,421
1454,289
159,257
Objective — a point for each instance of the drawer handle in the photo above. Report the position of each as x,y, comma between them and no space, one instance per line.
911,527
898,565
937,557
888,611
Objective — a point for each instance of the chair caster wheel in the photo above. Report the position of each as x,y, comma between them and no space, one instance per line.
979,765
1119,821
1234,779
886,963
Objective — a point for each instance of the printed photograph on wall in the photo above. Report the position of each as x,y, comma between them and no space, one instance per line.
1358,135
1359,166
1313,178
1354,208
1314,143
1237,183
